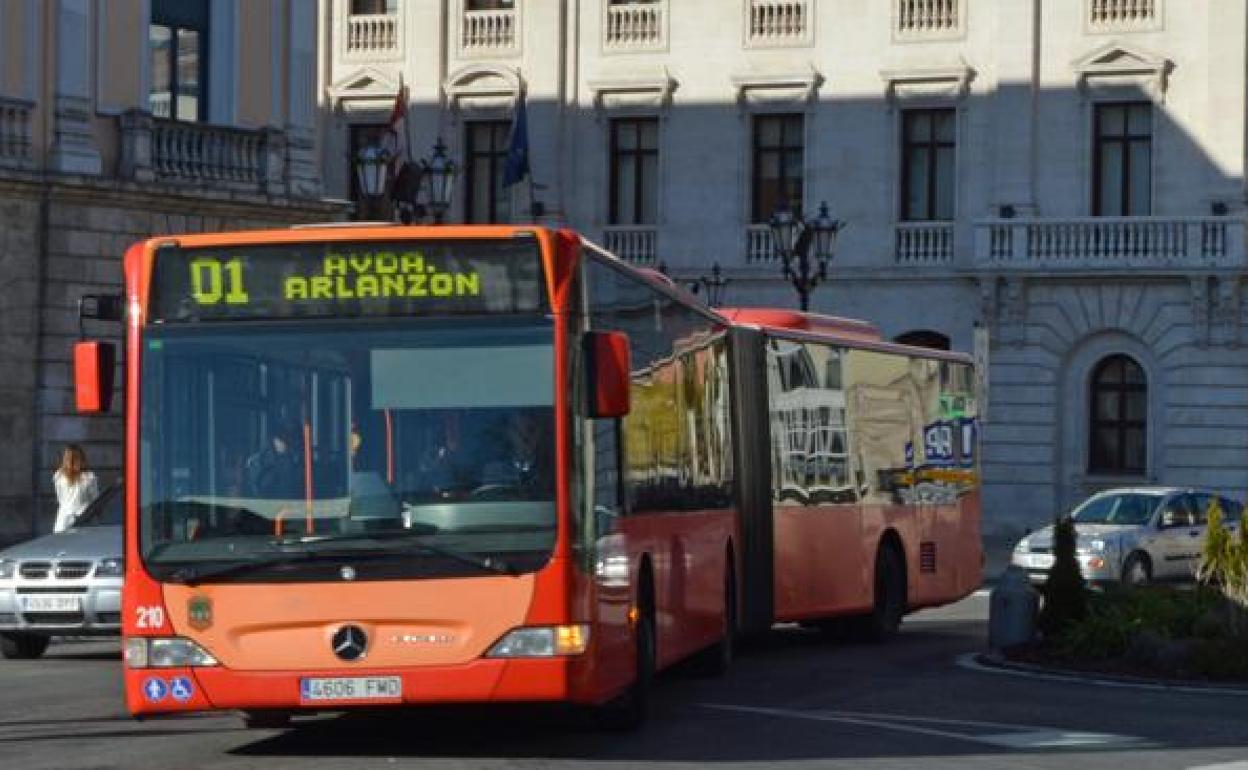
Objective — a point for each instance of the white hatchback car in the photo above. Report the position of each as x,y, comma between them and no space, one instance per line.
1132,535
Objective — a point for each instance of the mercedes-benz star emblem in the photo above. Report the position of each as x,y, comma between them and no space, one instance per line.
350,642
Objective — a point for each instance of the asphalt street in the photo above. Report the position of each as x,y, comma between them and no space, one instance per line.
798,700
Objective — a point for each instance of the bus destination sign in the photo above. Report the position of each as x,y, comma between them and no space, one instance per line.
335,279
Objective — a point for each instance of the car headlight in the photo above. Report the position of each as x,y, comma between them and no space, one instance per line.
541,642
166,652
110,568
1022,546
7,568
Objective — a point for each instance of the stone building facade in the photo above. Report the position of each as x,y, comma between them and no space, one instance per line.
120,120
1062,181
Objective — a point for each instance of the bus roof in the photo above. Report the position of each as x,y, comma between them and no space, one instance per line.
780,319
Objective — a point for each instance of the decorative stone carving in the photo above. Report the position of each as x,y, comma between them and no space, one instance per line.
1116,70
639,89
948,81
1200,309
1014,322
1229,309
762,88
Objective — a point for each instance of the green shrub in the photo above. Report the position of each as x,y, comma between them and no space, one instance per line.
1224,563
1065,594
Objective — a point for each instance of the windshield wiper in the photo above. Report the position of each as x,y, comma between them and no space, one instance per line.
387,538
191,575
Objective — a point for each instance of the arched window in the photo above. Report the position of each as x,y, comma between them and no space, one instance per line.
924,338
1119,433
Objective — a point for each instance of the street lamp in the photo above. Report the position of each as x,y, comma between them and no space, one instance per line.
431,178
714,285
792,238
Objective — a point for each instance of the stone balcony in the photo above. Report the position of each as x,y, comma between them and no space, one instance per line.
928,19
489,33
637,244
263,161
923,244
1163,244
771,23
635,27
1123,15
373,37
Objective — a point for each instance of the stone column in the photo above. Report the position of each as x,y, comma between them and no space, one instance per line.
1014,106
302,174
73,144
136,146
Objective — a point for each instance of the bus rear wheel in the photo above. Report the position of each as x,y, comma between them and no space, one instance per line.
716,660
890,596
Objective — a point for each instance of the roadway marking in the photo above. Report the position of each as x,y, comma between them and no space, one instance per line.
998,734
1226,766
970,662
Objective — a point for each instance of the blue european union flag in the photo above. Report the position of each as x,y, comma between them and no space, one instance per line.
516,167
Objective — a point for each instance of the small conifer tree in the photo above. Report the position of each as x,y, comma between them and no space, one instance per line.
1065,593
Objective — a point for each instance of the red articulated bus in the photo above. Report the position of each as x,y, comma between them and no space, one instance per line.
372,466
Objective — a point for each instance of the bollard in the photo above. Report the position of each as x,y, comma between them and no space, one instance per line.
1012,609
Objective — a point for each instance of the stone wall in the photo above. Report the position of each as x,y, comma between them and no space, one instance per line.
89,225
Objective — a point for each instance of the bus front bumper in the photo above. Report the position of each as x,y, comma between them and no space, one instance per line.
158,691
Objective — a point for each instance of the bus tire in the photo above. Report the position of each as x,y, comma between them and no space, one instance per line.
716,660
18,646
266,720
628,711
889,596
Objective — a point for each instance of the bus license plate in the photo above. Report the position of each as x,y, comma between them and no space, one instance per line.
51,604
377,688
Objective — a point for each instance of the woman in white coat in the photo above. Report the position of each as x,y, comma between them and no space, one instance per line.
75,486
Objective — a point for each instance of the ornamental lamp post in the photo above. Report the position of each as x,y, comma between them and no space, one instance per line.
792,238
372,166
439,176
715,285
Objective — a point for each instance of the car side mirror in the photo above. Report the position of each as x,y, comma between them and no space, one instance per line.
609,368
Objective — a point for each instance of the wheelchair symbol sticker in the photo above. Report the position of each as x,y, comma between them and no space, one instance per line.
181,689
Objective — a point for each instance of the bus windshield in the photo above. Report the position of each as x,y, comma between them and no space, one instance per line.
406,443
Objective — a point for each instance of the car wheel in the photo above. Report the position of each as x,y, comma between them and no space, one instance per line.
23,646
1137,570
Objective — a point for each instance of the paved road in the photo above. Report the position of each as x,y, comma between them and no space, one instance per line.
799,701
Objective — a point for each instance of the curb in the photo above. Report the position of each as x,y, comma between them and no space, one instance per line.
991,663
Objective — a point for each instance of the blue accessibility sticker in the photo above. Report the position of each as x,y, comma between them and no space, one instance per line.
155,689
181,689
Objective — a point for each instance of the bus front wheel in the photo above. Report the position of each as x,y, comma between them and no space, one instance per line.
628,711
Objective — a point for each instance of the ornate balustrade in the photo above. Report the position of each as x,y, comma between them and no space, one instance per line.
928,18
490,31
1123,14
779,22
228,158
636,27
15,132
632,243
371,36
1111,242
924,243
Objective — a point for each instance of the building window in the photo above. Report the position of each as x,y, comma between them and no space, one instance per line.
1119,417
635,171
374,7
485,150
779,161
1124,160
178,47
929,147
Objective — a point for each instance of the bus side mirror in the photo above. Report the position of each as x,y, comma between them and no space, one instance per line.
94,364
609,366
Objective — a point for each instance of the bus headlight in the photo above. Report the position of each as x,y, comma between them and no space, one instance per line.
541,642
166,652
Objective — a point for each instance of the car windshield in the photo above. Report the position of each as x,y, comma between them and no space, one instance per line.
1133,509
105,511
408,437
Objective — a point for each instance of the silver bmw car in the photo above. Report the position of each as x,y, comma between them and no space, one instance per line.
67,583
1132,535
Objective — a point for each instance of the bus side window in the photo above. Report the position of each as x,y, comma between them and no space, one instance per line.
608,503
